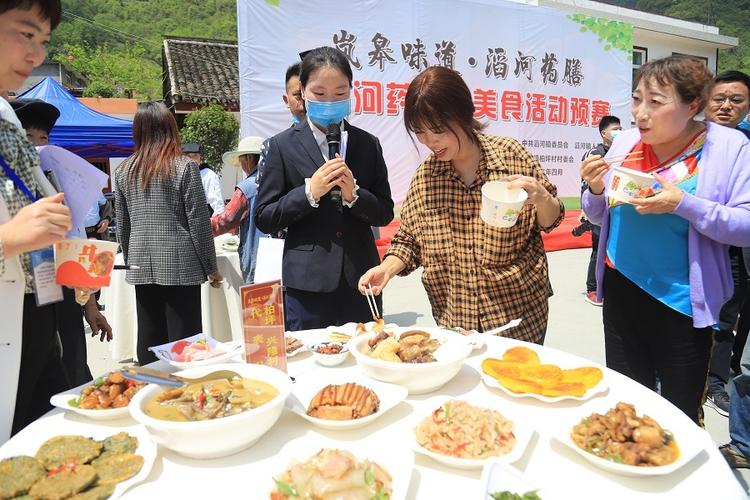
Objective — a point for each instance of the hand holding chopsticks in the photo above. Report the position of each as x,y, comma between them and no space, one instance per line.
594,168
370,296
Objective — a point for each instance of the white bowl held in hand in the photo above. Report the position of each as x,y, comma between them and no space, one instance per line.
418,378
222,436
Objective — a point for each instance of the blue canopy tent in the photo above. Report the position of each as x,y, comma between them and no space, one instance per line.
80,129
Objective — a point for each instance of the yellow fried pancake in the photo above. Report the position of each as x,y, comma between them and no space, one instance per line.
495,367
519,386
521,355
545,375
589,376
565,389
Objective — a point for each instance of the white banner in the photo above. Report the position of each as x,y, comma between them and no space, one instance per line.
542,76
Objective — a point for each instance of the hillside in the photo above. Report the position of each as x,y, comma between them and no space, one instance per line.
117,43
731,16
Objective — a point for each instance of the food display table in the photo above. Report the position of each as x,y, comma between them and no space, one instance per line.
559,472
220,307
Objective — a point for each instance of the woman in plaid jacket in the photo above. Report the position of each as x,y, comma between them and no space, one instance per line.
164,229
476,276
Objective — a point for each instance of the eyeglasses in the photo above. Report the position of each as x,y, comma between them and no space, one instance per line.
735,100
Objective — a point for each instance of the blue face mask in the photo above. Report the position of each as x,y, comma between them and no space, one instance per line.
296,120
325,113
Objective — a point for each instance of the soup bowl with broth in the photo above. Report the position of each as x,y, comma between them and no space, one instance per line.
215,418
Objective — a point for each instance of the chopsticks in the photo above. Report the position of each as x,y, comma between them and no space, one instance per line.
370,296
629,157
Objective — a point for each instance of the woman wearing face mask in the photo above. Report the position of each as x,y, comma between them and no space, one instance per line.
329,243
477,276
663,262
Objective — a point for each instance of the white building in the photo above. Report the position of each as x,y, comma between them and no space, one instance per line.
654,36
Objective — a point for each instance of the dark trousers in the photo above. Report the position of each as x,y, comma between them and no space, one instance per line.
308,310
165,314
69,316
646,340
41,375
591,274
727,347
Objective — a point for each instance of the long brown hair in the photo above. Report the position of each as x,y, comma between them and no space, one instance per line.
157,143
436,97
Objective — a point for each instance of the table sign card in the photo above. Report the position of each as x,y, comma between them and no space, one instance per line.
263,324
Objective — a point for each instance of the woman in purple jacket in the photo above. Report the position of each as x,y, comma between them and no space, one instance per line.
663,264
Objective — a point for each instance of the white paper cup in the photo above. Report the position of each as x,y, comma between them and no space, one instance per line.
626,184
84,263
500,205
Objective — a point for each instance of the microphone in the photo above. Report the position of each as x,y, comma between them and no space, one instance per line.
333,136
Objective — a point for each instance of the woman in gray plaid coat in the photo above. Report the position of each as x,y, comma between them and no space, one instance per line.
163,228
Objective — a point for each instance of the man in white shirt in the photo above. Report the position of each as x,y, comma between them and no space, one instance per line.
211,181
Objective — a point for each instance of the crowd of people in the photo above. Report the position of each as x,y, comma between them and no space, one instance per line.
669,270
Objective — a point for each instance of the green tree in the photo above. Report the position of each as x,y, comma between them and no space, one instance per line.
215,130
119,69
99,89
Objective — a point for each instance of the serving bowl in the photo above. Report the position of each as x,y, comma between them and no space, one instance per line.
332,359
418,378
222,436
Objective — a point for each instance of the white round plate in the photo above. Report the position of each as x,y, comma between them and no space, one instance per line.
690,438
305,390
62,401
57,425
522,432
399,465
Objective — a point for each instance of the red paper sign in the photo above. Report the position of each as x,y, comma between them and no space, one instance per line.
263,324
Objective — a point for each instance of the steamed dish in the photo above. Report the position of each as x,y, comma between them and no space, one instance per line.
333,475
622,436
107,392
343,402
522,372
211,399
458,429
414,346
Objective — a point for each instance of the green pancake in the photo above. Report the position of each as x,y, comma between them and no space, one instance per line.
18,475
118,468
64,484
98,492
62,450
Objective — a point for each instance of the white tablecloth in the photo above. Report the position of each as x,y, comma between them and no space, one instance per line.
220,307
560,472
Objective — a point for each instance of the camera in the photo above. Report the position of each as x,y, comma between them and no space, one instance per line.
584,226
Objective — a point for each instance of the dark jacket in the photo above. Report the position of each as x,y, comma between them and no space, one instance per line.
322,243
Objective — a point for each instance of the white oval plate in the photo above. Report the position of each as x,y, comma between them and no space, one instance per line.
562,360
305,390
57,425
498,476
599,388
398,465
61,400
690,438
233,349
522,432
